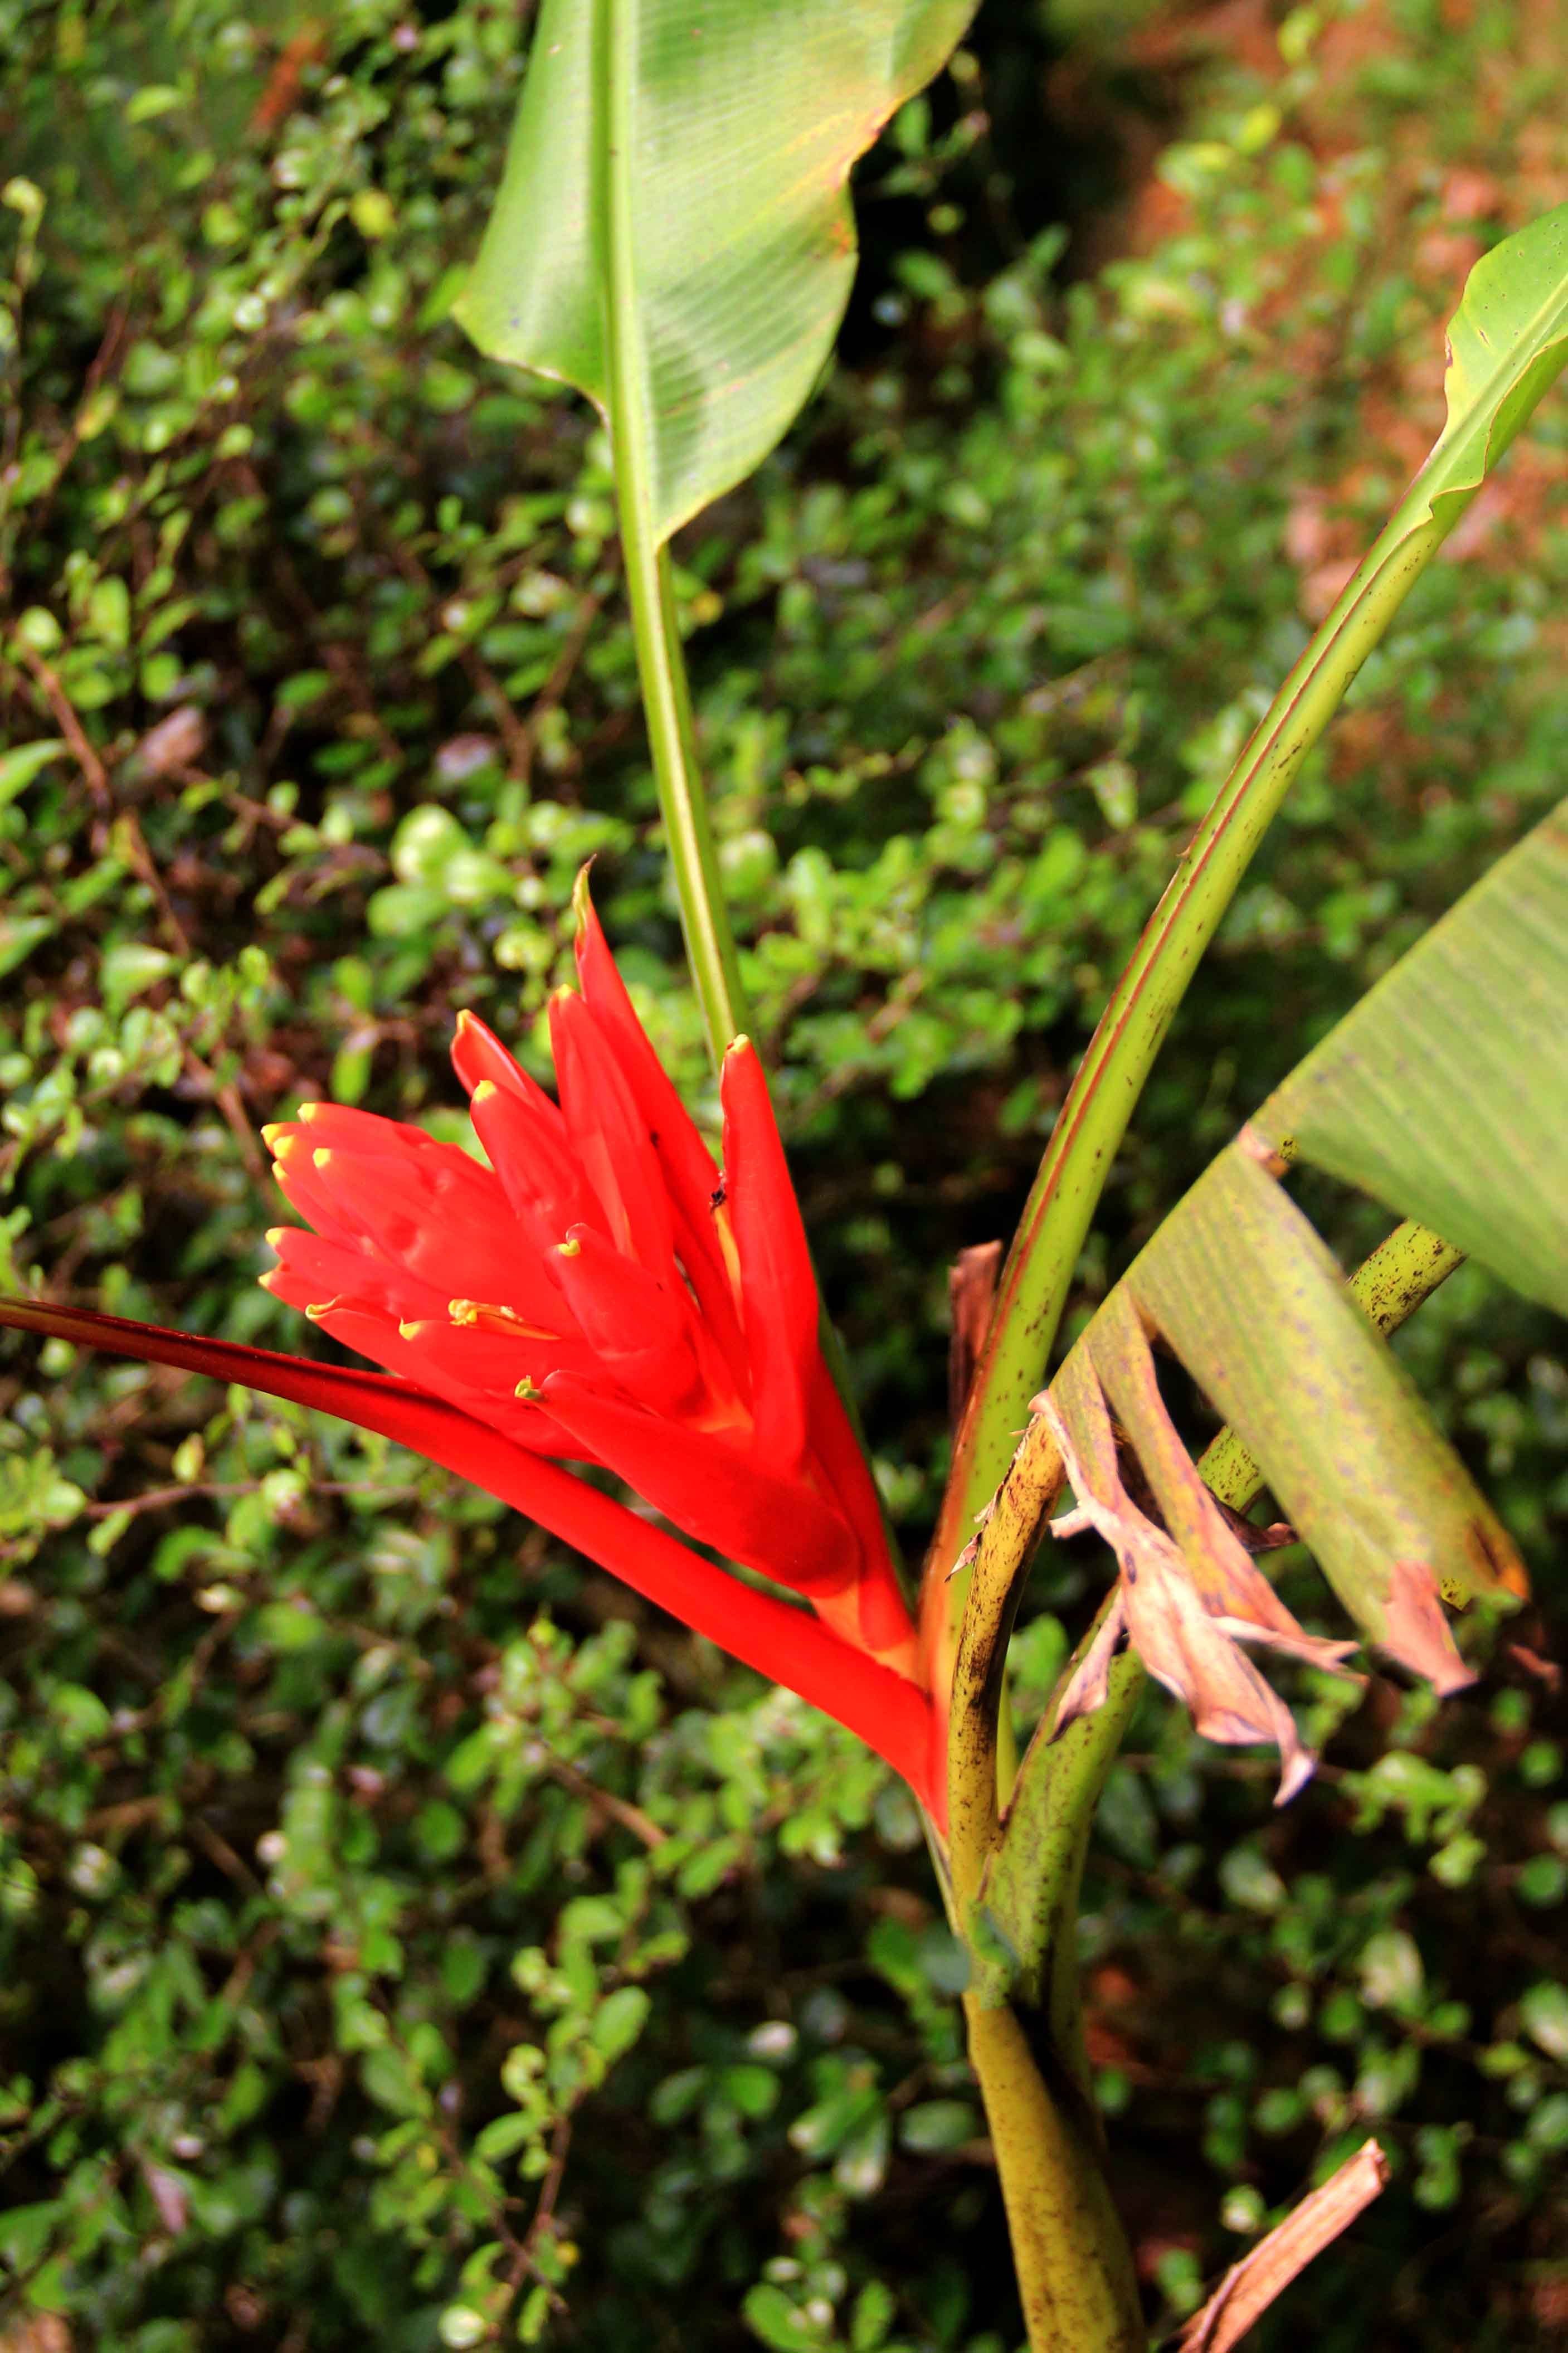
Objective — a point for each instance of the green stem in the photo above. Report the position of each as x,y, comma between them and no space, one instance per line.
1075,2271
1035,1280
1003,1552
662,671
1017,1883
1037,1871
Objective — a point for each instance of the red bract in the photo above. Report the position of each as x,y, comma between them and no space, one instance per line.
599,1294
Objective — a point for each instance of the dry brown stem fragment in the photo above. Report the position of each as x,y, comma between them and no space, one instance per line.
970,1294
1251,2287
1178,1631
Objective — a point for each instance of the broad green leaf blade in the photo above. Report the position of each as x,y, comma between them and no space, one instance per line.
1445,1093
1237,1284
1249,1297
1508,341
1240,1286
1408,1266
740,121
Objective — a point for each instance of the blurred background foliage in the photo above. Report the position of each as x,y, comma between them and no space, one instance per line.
407,1938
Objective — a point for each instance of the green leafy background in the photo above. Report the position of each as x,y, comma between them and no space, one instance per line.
406,1939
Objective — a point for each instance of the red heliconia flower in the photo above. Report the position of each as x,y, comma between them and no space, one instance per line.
598,1295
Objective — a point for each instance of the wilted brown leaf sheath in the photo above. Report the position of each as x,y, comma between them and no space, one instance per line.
971,1295
1255,1307
1417,1632
1251,2287
1183,1646
1087,1688
1233,1589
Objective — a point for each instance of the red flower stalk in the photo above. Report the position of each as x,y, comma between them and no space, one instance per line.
597,1294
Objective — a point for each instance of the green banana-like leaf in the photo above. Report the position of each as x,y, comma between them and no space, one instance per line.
1240,1286
678,180
1506,347
1445,1093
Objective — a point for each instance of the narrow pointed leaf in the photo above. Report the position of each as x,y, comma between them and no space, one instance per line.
1183,1645
1445,1092
1232,1584
729,164
1246,1293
